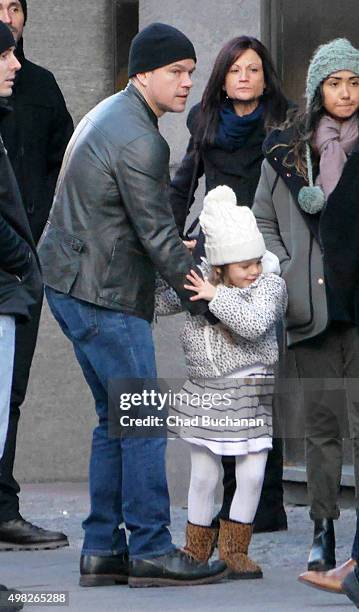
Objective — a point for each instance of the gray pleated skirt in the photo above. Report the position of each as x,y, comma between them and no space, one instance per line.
230,416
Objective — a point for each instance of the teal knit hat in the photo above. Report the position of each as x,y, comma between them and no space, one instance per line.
338,54
335,55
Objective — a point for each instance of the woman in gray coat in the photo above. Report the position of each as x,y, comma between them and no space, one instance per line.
303,204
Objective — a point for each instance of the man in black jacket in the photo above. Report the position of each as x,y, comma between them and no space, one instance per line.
35,134
20,279
105,239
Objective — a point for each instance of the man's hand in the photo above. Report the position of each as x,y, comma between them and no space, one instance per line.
190,244
204,289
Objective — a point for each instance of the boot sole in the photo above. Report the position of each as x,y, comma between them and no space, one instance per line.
244,576
95,580
135,581
4,546
338,591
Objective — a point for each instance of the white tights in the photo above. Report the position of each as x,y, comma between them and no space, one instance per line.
205,473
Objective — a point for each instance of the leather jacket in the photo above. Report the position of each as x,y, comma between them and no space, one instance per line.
111,225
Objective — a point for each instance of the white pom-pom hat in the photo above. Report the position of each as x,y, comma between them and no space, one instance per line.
231,232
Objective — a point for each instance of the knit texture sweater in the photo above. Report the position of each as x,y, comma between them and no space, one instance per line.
246,334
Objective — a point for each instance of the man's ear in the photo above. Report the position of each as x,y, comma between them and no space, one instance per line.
143,78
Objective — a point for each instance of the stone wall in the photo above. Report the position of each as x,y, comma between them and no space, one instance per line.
73,38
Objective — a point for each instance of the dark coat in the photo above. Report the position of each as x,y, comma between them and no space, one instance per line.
240,170
20,279
36,135
339,231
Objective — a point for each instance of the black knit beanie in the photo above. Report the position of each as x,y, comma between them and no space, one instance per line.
156,46
6,38
24,8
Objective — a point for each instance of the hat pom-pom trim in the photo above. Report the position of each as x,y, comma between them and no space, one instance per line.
311,199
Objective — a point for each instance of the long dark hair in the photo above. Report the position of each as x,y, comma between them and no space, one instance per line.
275,104
304,125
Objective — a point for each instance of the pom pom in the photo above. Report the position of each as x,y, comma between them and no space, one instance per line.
221,194
311,199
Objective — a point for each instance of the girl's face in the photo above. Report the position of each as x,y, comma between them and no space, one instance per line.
341,94
243,273
244,80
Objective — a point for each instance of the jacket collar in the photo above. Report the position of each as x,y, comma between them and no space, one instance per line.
276,148
135,93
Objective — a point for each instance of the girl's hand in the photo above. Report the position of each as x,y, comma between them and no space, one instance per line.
203,288
190,244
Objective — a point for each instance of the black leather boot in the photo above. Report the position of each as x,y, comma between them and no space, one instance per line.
176,568
19,534
103,571
322,554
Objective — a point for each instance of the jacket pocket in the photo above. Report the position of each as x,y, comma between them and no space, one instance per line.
60,257
130,277
297,275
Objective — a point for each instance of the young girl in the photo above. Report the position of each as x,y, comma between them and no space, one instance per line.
241,102
232,359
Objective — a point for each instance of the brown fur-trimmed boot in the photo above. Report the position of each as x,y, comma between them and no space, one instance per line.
233,542
200,541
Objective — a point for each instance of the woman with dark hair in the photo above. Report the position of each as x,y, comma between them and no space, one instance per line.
306,205
241,102
243,99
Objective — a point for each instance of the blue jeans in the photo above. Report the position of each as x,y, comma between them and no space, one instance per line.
7,350
127,475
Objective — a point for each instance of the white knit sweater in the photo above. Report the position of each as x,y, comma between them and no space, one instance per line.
246,333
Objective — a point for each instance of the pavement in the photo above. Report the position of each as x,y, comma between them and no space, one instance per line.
282,556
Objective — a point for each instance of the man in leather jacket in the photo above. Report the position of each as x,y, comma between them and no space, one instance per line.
20,278
35,134
110,229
